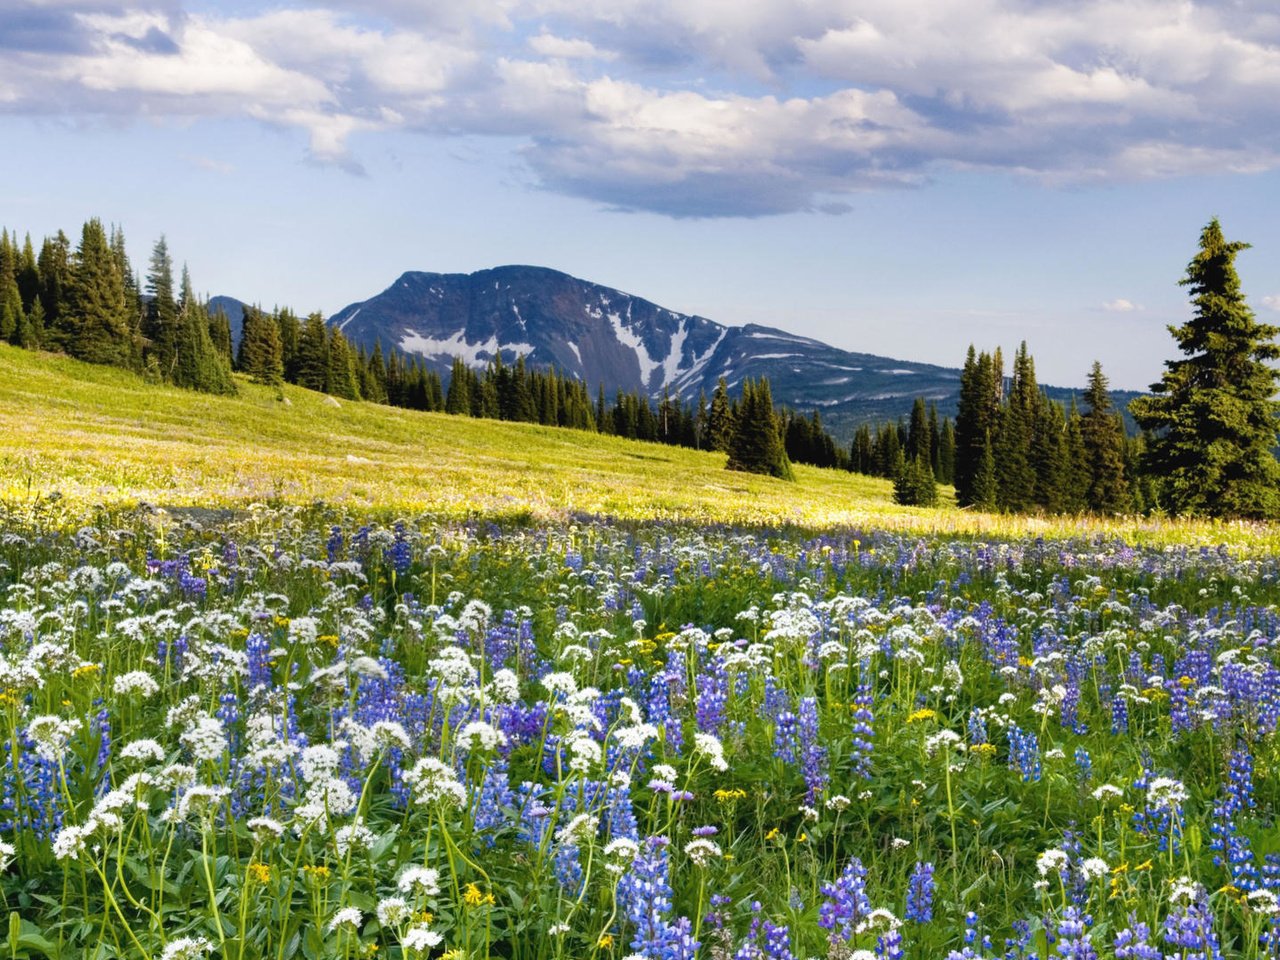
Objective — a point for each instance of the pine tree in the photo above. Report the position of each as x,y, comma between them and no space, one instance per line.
259,354
94,324
12,316
720,418
947,452
981,388
915,484
160,324
1103,435
1213,410
458,400
311,361
220,334
1015,473
341,379
919,439
54,265
1075,485
756,445
984,479
1048,454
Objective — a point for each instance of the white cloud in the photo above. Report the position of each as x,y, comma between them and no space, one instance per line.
1272,302
698,107
563,48
1121,305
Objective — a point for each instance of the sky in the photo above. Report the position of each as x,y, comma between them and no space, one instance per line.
902,177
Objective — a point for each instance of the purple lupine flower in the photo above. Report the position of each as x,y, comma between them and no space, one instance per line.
920,893
846,905
813,755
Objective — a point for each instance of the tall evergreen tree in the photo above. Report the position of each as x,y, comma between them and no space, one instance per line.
94,324
54,266
259,354
12,316
1213,412
1075,485
160,324
1103,435
1012,443
341,380
458,400
756,445
312,356
720,418
946,452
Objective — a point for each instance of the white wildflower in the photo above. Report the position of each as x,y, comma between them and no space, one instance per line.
424,880
349,916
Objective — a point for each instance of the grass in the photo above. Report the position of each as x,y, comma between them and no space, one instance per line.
106,436
101,436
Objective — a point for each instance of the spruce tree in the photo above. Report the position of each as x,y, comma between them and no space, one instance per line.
947,452
1075,478
54,265
12,316
160,323
312,357
983,495
1103,435
94,324
720,418
259,354
1048,454
341,380
915,484
458,400
756,445
1212,414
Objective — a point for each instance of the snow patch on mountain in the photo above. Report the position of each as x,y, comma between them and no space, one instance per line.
632,340
473,354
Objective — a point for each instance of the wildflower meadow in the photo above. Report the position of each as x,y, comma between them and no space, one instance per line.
294,731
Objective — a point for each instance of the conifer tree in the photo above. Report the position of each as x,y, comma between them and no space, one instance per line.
160,324
981,388
984,479
341,380
28,276
947,452
1212,414
94,325
220,334
1015,473
1075,485
720,418
259,354
54,266
458,400
311,361
915,484
919,439
1103,436
1048,454
756,445
12,316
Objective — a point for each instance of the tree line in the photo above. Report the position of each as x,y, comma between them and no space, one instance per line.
1208,427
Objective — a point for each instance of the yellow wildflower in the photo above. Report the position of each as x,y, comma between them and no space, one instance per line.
921,715
259,872
605,942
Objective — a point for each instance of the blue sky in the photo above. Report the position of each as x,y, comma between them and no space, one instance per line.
902,177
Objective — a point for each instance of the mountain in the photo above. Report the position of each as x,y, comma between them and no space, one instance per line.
234,309
602,335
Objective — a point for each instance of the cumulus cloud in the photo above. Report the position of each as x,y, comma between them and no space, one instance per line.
1272,302
1121,305
696,107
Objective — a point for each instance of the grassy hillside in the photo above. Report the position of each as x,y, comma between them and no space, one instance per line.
102,435
96,435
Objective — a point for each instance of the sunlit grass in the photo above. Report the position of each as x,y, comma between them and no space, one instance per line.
98,436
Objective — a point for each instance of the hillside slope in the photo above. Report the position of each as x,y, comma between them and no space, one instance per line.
96,434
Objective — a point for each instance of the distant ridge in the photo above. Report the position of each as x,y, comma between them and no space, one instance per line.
605,336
